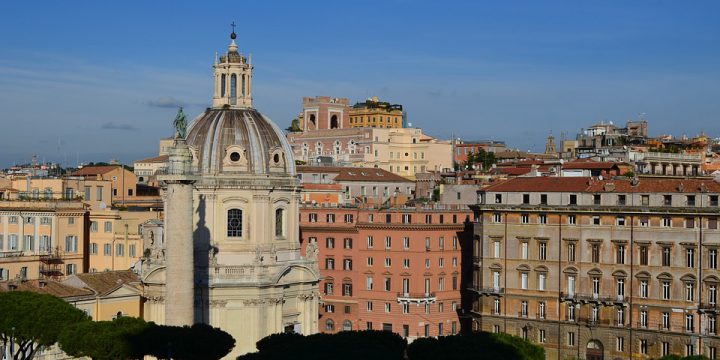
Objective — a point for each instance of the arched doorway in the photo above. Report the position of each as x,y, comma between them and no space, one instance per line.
334,122
594,350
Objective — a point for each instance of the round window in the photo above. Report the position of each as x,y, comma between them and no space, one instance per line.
235,156
276,158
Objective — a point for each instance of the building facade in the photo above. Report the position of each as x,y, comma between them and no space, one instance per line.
375,113
396,269
599,269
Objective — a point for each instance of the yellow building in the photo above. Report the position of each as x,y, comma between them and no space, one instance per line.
376,113
115,238
42,238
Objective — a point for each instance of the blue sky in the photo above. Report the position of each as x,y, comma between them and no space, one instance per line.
94,81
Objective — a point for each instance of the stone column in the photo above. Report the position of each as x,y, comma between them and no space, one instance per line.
180,265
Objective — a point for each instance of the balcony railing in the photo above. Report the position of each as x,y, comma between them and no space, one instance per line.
419,298
662,327
595,322
709,307
488,290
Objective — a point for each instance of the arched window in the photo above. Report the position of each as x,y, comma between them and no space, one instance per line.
334,122
233,89
243,85
222,85
234,223
347,325
279,222
312,119
329,325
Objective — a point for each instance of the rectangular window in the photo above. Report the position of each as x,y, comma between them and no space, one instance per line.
713,200
347,243
498,198
370,261
388,242
526,199
690,257
71,244
666,255
312,217
329,243
643,288
571,252
94,226
496,249
595,252
596,220
542,219
99,193
620,344
542,279
667,200
349,218
406,218
370,242
88,191
541,336
119,250
620,221
571,339
667,222
689,322
524,250
369,306
542,251
524,218
572,220
690,200
347,264
330,264
644,221
108,226
330,218
643,255
690,223
71,269
665,290
665,348
497,218
543,199
712,259
132,250
620,254
621,199
712,223
107,249
665,321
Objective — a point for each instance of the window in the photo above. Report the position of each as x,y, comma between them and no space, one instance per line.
330,218
665,290
29,244
347,289
388,284
620,258
329,288
312,217
370,261
596,220
596,199
525,218
347,264
370,242
347,243
571,251
665,320
542,219
44,221
666,256
711,324
572,220
108,226
690,200
329,325
643,255
405,308
621,199
524,250
388,218
643,288
88,191
234,223
496,329
496,249
428,219
690,257
349,218
620,287
689,349
643,318
690,322
524,281
387,307
94,226
427,243
132,250
93,248
665,348
542,253
330,243
70,269
441,262
643,346
496,306
541,309
388,262
690,223
279,222
524,308
712,259
541,336
595,286
71,243
689,291
329,308
571,312
99,193
107,249
667,222
543,199
388,242
526,199
498,198
713,200
407,218
644,221
497,218
369,283
595,251
542,279
620,221
369,306
571,339
712,223
119,250
330,264
620,344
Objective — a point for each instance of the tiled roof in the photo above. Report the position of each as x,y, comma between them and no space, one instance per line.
541,184
590,165
156,159
318,169
48,287
95,170
593,185
107,281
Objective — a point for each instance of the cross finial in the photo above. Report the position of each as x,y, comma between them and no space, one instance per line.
233,35
233,26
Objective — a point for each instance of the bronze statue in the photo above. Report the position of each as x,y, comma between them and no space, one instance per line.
180,124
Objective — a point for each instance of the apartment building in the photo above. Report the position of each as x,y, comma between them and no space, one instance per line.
599,269
396,269
42,239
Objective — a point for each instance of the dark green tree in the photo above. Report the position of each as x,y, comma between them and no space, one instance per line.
350,345
121,338
33,320
199,341
475,346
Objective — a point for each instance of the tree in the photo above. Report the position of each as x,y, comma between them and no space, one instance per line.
31,320
475,345
199,341
348,345
121,338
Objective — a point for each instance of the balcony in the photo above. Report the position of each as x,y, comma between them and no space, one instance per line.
663,327
488,290
9,254
523,314
594,299
642,325
595,322
416,298
708,307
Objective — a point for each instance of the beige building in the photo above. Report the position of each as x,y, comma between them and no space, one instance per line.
116,241
599,269
229,253
375,113
123,182
42,239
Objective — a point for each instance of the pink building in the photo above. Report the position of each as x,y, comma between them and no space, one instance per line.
395,269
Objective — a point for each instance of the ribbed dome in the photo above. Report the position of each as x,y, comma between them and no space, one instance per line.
239,141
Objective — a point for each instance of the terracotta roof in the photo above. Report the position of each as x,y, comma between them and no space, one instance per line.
592,185
107,281
95,170
541,184
517,171
156,159
48,287
656,186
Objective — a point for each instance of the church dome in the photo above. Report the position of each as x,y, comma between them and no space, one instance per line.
239,141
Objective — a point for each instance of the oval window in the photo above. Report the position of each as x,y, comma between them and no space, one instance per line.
276,158
235,156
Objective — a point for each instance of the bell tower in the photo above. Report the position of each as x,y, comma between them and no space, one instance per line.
233,78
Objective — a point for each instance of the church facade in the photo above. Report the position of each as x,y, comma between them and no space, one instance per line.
232,199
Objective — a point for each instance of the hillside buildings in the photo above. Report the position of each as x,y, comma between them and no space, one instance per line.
599,269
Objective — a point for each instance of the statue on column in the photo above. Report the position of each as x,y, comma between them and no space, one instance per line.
180,124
